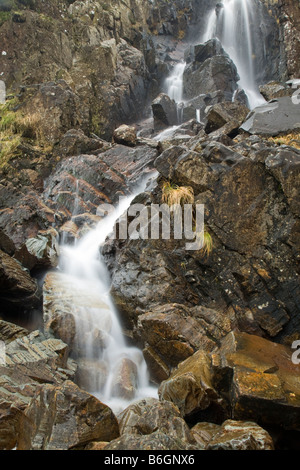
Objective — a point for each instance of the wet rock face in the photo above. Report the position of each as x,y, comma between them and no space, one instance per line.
164,112
269,384
247,191
287,12
246,378
211,70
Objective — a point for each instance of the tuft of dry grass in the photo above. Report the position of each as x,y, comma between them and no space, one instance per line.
174,194
15,126
292,139
207,244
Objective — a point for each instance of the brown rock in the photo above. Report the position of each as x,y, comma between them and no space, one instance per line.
240,435
229,114
30,361
173,332
189,387
9,332
66,417
154,441
203,433
18,289
260,379
148,415
124,382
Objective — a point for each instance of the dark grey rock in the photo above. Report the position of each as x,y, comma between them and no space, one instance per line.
279,116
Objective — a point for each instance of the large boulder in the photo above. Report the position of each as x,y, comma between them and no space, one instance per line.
65,417
164,112
279,116
227,116
152,424
125,135
232,435
210,70
173,332
260,380
189,387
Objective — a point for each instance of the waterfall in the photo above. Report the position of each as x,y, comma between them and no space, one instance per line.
99,335
174,87
231,22
174,83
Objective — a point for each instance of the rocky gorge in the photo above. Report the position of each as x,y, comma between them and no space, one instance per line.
87,115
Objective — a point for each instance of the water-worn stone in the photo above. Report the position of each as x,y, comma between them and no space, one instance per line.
65,417
124,381
240,435
148,415
164,112
260,379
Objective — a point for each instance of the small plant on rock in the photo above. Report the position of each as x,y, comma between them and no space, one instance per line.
174,194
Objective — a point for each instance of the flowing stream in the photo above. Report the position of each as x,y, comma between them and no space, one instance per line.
117,372
231,22
174,87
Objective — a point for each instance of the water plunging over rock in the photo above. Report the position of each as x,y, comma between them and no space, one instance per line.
174,82
231,22
79,310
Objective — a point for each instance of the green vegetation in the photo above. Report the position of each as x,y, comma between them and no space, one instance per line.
4,16
15,126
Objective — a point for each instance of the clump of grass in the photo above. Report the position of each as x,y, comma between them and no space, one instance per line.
207,246
174,194
14,126
292,139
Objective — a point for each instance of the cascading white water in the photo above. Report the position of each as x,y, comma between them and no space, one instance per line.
99,334
230,22
174,87
174,83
